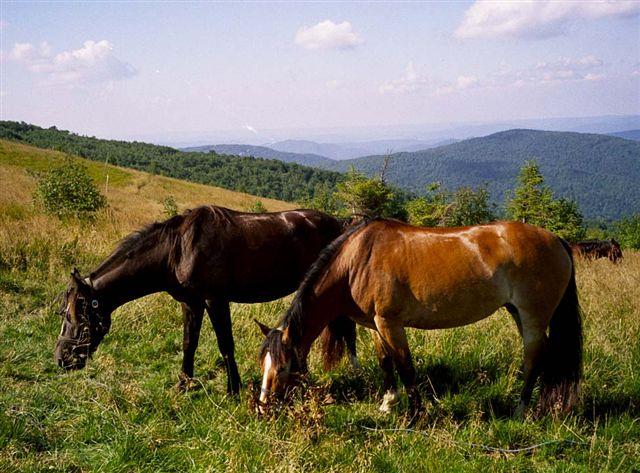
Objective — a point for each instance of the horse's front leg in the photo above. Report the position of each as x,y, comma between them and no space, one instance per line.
192,320
221,320
395,338
389,385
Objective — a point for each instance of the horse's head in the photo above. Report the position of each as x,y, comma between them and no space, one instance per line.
84,324
280,365
616,252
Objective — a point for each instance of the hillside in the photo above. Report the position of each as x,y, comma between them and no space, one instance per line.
265,178
134,197
627,135
600,172
265,153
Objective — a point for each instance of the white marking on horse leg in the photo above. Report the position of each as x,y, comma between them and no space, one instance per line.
263,387
389,401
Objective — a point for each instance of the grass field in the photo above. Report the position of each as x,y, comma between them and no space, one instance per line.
121,413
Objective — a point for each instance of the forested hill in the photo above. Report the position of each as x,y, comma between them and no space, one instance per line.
266,178
627,135
602,173
266,153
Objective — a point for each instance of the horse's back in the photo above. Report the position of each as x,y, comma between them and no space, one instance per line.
442,277
249,257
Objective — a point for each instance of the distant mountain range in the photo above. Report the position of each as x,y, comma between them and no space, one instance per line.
427,132
350,150
602,173
627,135
264,152
310,153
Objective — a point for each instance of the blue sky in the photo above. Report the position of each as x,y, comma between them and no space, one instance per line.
132,69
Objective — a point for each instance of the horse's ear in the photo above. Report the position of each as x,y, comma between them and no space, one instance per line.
263,328
76,278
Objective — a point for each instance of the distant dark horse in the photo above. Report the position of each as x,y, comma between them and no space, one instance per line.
387,275
594,249
204,258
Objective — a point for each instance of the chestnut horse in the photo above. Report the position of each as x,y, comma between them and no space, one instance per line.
204,258
387,275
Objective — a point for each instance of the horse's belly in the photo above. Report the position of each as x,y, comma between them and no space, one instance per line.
438,313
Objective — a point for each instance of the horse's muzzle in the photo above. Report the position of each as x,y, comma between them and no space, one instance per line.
69,356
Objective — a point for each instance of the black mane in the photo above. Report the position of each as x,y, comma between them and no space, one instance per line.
293,319
147,236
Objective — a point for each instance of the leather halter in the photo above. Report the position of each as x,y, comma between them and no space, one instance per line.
87,316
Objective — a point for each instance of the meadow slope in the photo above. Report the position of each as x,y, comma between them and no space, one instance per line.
121,413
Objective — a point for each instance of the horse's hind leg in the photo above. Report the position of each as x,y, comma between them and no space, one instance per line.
515,316
395,338
192,321
221,320
534,340
350,341
389,385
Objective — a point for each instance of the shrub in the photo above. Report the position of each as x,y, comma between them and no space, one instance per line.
363,195
170,206
68,190
533,202
628,232
257,207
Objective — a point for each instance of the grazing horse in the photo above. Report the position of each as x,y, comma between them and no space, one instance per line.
594,249
387,275
204,258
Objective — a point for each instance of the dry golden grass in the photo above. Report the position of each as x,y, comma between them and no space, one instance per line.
134,197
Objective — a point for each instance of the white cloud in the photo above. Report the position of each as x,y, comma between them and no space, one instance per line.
92,63
562,69
466,82
594,77
328,35
536,19
409,82
636,73
28,52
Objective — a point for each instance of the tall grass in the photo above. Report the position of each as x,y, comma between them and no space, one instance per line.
122,414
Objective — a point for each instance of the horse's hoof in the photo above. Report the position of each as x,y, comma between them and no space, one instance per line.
389,402
185,383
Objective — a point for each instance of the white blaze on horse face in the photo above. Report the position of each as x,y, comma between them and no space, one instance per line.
264,389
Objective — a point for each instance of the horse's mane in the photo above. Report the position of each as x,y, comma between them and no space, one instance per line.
293,318
188,224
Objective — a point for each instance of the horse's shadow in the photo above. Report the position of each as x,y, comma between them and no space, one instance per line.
465,389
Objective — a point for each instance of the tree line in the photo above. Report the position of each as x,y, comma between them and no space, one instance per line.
531,201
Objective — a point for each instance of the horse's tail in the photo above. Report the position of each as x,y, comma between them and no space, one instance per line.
563,360
339,333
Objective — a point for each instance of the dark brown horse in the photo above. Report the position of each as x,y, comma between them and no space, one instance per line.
204,258
594,249
387,275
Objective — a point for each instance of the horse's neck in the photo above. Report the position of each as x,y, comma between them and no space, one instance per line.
318,311
131,279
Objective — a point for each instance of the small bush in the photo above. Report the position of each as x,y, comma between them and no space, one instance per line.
257,207
69,191
628,232
170,206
